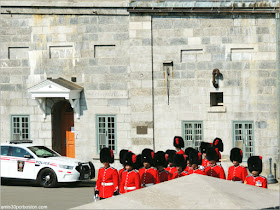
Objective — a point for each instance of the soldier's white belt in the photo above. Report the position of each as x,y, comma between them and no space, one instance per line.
107,184
148,185
130,188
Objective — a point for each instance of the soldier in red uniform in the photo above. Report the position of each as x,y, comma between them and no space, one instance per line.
121,156
195,159
255,167
161,163
108,179
180,164
218,143
187,152
170,157
178,143
130,177
203,148
148,174
213,169
236,172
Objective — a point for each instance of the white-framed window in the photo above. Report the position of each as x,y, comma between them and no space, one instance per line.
106,132
192,133
243,137
20,127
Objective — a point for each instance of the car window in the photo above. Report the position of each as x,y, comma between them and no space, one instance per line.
19,152
43,152
4,150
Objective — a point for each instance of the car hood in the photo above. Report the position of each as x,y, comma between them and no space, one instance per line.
64,160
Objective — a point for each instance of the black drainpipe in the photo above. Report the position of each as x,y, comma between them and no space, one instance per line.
153,97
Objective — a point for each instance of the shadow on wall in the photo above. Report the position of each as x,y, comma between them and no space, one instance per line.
83,103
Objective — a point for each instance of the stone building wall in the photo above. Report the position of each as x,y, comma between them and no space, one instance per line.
118,57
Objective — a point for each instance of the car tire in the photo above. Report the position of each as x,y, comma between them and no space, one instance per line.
47,178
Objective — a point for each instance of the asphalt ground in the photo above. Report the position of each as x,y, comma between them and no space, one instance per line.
22,195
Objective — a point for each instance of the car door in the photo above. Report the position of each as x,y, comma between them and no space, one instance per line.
5,162
22,168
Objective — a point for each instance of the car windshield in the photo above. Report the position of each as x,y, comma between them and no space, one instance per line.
43,152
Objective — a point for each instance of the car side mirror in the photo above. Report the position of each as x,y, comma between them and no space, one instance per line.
28,156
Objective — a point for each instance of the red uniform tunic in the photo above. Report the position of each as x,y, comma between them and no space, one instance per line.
180,152
120,179
107,182
237,173
130,181
205,162
171,171
258,181
164,175
148,176
215,171
188,168
177,174
196,171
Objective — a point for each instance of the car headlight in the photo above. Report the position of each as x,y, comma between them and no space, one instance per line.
66,167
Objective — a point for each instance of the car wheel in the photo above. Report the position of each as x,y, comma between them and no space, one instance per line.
47,178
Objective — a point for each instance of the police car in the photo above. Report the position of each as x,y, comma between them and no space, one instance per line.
28,161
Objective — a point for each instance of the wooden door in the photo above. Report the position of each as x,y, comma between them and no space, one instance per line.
67,137
70,145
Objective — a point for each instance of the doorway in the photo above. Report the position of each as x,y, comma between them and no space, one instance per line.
63,140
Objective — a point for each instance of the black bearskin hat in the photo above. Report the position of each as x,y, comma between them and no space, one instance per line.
138,163
160,159
170,155
204,146
212,154
106,155
236,155
218,143
178,142
195,157
148,156
188,150
180,160
130,159
122,154
255,163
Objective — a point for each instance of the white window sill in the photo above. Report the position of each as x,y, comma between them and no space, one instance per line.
217,109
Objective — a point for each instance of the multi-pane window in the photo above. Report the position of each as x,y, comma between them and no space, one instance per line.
243,137
192,133
106,132
20,127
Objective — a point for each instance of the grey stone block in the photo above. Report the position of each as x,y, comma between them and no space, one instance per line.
121,36
5,38
7,87
205,40
106,19
226,40
232,82
83,20
146,42
188,74
267,65
9,31
73,20
218,57
4,79
104,86
236,66
25,63
117,102
118,69
24,31
91,29
262,30
163,25
93,62
270,82
93,20
179,41
91,86
213,49
119,86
